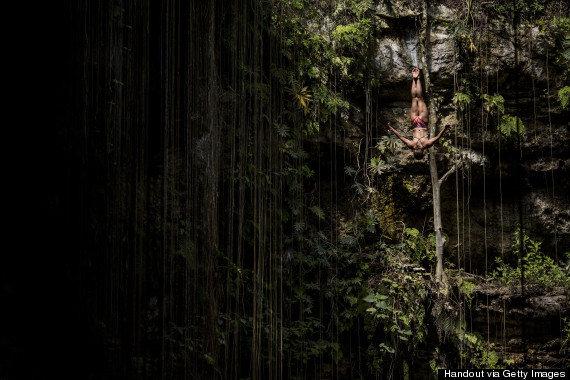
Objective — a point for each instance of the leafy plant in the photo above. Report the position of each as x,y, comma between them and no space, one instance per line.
561,29
422,249
535,266
387,144
355,35
301,94
360,7
318,212
478,353
461,100
397,317
494,103
466,288
564,94
371,221
378,166
511,126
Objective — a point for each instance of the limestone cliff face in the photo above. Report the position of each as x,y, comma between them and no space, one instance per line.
505,179
523,324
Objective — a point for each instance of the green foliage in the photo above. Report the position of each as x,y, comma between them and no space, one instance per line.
511,126
397,317
371,220
349,171
301,94
566,49
528,11
477,352
355,35
561,29
558,29
387,144
356,230
318,212
471,350
466,289
382,163
494,104
318,54
461,31
378,166
461,100
298,339
422,249
433,364
535,266
360,7
564,96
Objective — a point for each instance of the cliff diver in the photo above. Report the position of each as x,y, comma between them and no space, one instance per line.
419,114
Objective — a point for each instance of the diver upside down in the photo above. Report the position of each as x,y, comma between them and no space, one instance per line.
419,115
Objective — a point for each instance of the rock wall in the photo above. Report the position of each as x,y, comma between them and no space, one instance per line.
523,324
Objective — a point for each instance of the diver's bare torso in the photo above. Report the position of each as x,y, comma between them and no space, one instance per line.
420,137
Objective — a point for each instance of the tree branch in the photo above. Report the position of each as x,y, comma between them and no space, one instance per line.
455,166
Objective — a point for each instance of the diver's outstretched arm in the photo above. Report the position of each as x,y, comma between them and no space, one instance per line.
406,141
432,141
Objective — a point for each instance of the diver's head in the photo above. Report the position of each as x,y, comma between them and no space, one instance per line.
418,153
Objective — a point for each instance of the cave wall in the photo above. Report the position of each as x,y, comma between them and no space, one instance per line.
523,323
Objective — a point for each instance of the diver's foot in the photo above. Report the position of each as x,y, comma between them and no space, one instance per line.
415,73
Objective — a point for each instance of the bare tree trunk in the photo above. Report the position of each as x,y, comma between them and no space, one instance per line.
435,182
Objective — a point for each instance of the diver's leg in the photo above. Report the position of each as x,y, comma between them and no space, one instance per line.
414,109
421,108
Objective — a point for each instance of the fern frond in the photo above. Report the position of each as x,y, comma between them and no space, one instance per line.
511,125
362,6
349,170
564,96
318,212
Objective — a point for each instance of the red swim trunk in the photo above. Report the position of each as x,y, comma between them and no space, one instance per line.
419,123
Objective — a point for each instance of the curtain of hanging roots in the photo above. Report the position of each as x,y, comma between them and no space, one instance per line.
182,184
